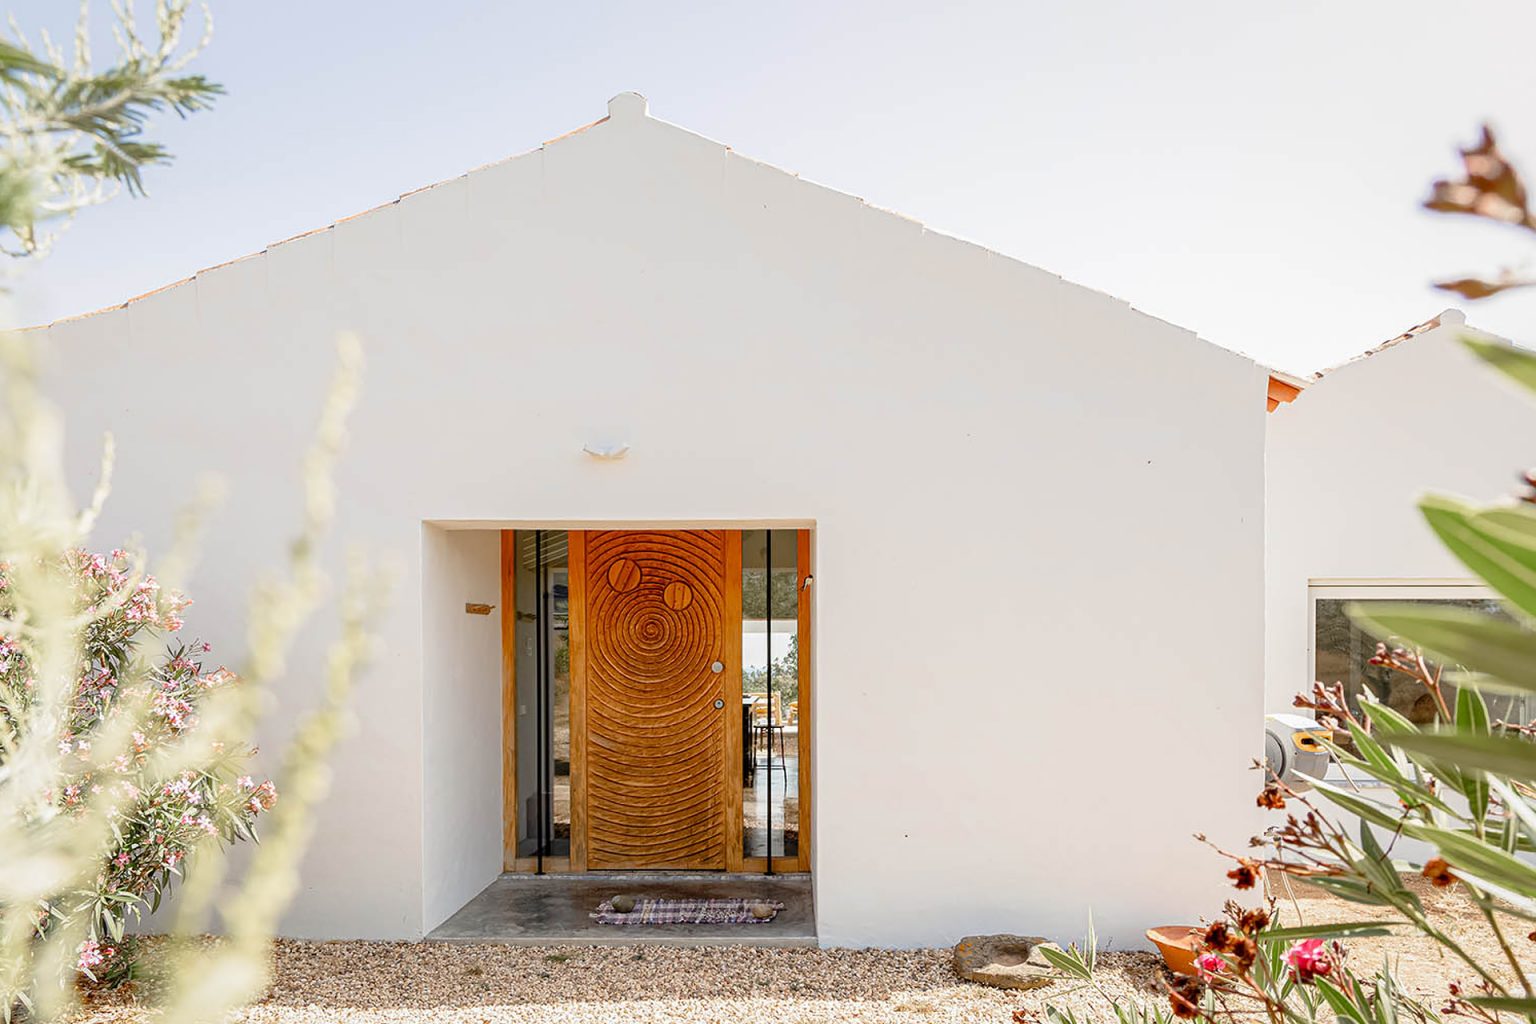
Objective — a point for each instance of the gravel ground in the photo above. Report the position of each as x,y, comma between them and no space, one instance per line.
366,982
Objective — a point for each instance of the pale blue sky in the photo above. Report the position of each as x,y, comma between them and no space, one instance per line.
1249,171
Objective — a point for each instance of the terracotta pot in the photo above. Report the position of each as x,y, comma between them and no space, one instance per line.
1178,944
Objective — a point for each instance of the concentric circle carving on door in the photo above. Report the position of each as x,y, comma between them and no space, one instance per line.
655,731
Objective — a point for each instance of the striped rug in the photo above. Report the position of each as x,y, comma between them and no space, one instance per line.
696,911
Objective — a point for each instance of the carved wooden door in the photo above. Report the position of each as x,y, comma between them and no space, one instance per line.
656,628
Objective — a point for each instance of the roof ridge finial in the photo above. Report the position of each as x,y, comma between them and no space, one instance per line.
627,105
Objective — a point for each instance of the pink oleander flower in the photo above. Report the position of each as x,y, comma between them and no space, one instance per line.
177,713
1308,959
1210,964
93,955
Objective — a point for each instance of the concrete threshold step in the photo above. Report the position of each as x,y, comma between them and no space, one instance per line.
550,910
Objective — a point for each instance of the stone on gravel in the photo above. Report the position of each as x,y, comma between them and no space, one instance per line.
1004,961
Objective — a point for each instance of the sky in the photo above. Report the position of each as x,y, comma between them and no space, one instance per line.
1251,172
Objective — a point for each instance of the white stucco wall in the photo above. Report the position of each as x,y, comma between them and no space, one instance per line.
461,718
1347,462
1017,463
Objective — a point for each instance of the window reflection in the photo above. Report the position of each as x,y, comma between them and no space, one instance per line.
1342,654
542,636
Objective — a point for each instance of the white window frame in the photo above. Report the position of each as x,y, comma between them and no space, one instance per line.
1378,589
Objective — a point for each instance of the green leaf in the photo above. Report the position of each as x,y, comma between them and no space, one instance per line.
1521,808
1502,649
1472,720
1373,753
1337,930
1471,713
1377,868
1339,1002
1503,556
1386,721
1387,995
1515,363
1501,755
1352,890
1465,851
1369,845
1367,810
1066,962
1511,902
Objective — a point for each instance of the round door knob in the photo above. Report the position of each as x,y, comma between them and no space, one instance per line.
719,704
717,667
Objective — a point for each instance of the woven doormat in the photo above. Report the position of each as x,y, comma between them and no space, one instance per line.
649,911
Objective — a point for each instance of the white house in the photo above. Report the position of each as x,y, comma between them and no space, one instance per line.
1033,518
1348,458
1350,452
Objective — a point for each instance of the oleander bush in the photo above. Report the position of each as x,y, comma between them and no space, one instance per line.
123,755
158,819
1251,969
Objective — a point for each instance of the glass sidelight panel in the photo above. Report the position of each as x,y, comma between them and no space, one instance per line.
543,674
770,682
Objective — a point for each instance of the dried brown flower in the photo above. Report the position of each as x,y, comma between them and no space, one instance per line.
1254,921
1492,188
1217,935
1272,797
1184,995
1438,872
1482,288
1243,953
1246,874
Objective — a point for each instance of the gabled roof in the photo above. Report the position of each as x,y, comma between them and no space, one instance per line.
620,99
1284,387
632,106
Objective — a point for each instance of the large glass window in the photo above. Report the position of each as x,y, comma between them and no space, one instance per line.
770,684
1342,651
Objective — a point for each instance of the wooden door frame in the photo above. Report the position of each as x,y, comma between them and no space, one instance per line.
730,629
730,654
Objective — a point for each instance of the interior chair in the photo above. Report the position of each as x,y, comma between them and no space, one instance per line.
768,722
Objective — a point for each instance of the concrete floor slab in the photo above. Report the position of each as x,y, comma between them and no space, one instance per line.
537,910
